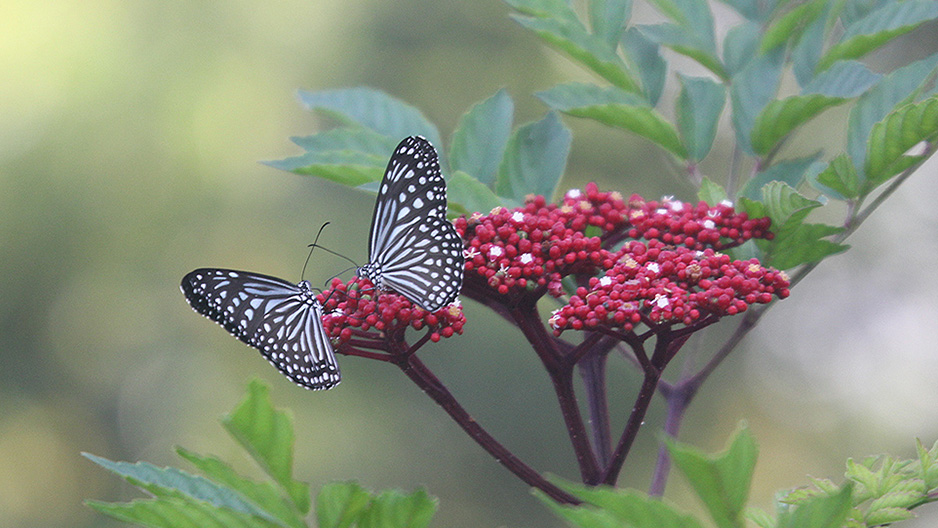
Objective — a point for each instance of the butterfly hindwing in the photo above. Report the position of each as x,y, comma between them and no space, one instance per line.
282,320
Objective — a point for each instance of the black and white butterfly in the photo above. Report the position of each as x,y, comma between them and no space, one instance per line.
282,320
413,249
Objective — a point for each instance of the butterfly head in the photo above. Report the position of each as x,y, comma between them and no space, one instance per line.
372,272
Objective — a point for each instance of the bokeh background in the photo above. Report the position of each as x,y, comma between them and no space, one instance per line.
130,135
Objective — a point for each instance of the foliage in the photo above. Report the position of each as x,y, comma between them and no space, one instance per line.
223,497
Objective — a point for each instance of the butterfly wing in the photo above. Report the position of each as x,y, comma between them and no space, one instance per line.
425,264
412,190
282,320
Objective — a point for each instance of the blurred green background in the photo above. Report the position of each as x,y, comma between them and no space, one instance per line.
129,139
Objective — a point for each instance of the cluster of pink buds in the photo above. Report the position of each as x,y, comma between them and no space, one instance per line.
356,308
657,283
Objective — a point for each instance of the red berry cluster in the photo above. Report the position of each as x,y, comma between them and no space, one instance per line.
657,283
698,227
539,243
356,307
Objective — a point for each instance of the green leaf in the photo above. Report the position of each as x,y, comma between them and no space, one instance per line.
779,118
897,88
267,435
755,10
892,137
807,51
681,40
615,108
559,9
888,516
172,482
651,66
878,28
841,176
790,171
792,24
740,46
262,494
854,10
354,139
480,137
608,19
694,15
167,512
795,242
721,481
760,518
372,109
820,512
534,160
590,51
785,205
627,507
340,504
752,89
843,79
393,509
698,109
469,195
580,516
346,167
711,192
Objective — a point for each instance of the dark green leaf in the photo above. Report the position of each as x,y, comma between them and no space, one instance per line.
267,435
468,195
841,176
340,504
740,46
608,18
534,159
807,52
699,106
480,137
167,512
393,509
820,512
897,88
711,192
892,137
615,108
262,494
341,166
651,66
590,51
172,482
751,91
683,41
879,27
843,79
355,139
373,109
789,171
722,481
781,117
792,24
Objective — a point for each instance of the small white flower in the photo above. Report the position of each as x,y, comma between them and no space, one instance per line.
662,210
470,253
667,198
727,203
495,252
661,301
653,267
605,281
709,224
573,193
527,258
517,216
677,207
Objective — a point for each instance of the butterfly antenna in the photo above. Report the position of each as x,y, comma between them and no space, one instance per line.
311,248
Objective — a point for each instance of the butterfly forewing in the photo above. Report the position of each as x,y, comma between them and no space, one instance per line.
282,320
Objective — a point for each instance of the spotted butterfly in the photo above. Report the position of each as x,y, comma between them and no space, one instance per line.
282,320
412,248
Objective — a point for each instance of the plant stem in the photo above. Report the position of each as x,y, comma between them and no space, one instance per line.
593,372
636,418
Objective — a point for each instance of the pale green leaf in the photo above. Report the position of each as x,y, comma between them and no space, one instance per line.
790,171
752,89
843,79
779,118
608,19
711,192
480,137
534,160
683,41
740,46
393,509
699,106
792,24
468,195
168,512
820,512
892,137
340,504
841,176
651,66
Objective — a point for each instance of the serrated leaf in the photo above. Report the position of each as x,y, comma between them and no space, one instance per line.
173,482
862,474
480,137
841,176
790,171
699,106
779,118
340,504
651,66
167,512
711,192
355,139
469,195
608,18
393,509
894,89
681,40
751,90
791,25
759,517
807,52
262,494
534,159
843,79
590,51
373,109
616,108
267,435
783,203
802,243
896,499
892,137
579,516
878,28
721,481
821,512
740,46
887,516
345,167
628,507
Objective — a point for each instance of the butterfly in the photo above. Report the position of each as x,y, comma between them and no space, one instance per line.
412,248
282,320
